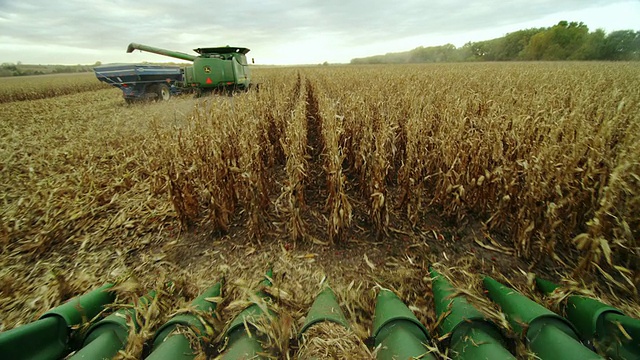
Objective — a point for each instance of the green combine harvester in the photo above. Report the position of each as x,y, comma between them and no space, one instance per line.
214,68
592,330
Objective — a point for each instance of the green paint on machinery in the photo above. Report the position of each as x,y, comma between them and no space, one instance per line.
243,340
606,327
172,344
397,332
471,334
324,308
547,334
464,331
108,336
51,336
214,68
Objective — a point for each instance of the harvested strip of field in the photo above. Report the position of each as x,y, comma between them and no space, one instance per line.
21,88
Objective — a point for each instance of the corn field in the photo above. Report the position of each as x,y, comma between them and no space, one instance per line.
544,155
540,163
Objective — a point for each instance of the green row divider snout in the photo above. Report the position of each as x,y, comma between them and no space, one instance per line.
606,327
108,336
548,335
49,336
324,308
397,332
168,344
243,340
472,335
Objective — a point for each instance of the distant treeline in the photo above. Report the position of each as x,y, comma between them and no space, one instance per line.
19,69
564,41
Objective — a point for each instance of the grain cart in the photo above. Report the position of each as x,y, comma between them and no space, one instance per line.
215,68
142,81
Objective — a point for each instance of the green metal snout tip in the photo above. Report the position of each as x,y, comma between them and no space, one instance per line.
546,286
240,344
612,332
461,310
49,337
108,336
548,335
170,345
472,335
267,278
398,333
324,308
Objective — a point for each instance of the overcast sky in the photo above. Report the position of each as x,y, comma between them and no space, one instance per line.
277,31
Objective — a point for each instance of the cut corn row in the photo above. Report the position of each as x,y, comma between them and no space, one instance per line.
22,88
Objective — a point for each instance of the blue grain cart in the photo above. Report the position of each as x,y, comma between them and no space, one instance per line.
141,81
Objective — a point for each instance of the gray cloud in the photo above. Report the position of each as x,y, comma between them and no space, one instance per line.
109,25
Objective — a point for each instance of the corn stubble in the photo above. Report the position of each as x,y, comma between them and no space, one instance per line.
24,88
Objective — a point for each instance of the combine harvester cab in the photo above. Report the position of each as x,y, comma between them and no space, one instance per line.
141,81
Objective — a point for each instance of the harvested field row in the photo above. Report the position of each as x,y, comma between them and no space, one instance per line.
24,88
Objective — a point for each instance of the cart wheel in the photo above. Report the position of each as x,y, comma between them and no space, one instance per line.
163,92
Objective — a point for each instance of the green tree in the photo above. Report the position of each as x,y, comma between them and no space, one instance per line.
444,53
563,41
514,43
482,50
559,42
622,45
592,48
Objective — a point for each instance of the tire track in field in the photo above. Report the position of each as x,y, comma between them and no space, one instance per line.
314,125
315,191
